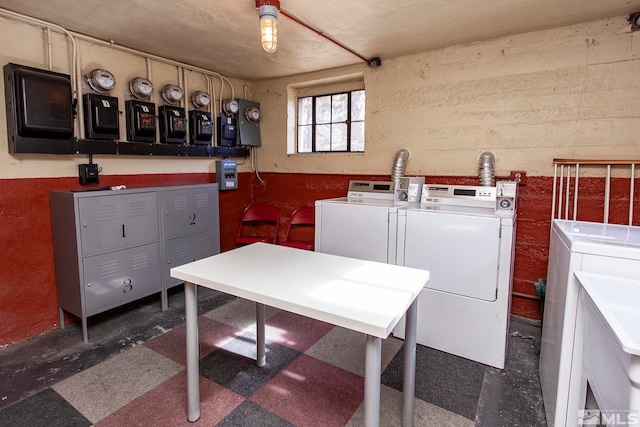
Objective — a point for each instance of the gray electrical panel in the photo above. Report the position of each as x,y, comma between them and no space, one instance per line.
227,174
249,123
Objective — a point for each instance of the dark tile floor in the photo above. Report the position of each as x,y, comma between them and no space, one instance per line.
132,374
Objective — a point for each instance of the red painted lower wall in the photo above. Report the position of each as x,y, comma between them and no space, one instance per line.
28,302
28,305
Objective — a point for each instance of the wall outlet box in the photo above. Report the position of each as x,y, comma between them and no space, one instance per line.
88,174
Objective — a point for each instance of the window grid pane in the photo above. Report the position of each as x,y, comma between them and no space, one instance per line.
323,109
305,111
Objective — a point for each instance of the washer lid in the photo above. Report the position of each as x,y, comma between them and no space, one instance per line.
614,240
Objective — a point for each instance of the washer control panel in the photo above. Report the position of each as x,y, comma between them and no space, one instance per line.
459,195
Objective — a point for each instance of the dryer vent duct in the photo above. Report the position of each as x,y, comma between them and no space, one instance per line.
400,163
486,175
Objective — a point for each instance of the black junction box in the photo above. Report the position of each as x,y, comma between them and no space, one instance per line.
200,127
88,174
141,121
101,117
173,125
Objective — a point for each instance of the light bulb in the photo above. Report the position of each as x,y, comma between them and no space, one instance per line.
269,28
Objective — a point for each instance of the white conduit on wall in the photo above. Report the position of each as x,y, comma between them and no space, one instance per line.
75,81
562,182
75,63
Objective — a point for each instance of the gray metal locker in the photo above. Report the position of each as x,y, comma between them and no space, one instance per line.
190,227
106,248
114,247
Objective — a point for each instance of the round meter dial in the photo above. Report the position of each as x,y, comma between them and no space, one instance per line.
231,106
172,94
252,114
141,88
102,81
200,99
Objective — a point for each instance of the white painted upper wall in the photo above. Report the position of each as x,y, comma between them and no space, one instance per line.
31,50
570,92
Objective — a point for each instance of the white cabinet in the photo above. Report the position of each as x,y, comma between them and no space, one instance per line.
115,247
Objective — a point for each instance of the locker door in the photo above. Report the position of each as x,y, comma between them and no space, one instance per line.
189,211
113,222
186,249
117,278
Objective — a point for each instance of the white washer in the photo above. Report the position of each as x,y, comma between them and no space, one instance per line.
468,247
576,246
361,225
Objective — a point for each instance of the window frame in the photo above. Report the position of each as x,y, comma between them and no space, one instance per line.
314,123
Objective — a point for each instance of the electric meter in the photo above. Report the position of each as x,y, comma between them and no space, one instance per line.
102,81
141,88
200,99
172,94
252,114
231,106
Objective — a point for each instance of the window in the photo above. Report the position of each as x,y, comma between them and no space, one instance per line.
331,123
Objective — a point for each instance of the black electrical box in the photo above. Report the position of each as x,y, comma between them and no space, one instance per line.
101,117
173,125
200,127
40,110
227,131
141,121
88,174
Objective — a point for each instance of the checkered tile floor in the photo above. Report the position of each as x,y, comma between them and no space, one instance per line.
313,377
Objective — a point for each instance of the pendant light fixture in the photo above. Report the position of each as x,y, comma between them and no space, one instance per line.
268,11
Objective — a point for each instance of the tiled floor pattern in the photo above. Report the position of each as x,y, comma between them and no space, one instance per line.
313,377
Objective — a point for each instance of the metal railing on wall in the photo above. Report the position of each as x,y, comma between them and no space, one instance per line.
566,178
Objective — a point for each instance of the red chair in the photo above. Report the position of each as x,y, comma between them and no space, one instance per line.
259,223
301,229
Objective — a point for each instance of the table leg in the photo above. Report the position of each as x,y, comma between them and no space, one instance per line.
193,385
261,358
372,371
409,383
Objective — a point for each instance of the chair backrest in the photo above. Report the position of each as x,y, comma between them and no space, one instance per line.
258,223
301,218
261,212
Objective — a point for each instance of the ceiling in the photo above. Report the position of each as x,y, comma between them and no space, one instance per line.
223,35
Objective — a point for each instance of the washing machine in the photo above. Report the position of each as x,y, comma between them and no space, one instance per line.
363,224
610,249
465,237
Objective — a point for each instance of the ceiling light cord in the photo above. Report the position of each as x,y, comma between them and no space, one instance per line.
373,62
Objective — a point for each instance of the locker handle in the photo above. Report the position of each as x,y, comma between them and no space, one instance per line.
123,234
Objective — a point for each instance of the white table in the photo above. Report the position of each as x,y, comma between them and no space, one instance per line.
363,296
